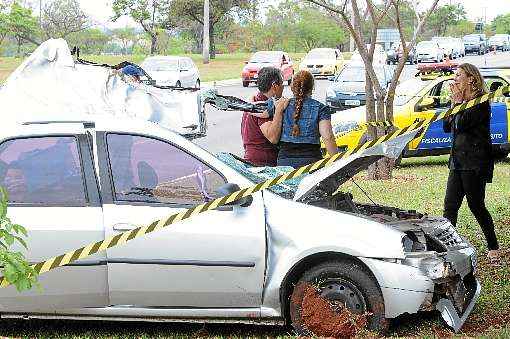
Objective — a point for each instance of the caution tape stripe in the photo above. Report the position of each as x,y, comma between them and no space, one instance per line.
127,236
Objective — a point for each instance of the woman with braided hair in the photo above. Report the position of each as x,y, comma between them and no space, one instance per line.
305,121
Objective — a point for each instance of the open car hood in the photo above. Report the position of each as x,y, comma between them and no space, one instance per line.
50,85
329,178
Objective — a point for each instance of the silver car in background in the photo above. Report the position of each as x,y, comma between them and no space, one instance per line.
429,51
172,71
75,183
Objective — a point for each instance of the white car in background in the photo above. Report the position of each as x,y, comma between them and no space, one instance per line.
429,51
445,44
379,56
172,71
459,51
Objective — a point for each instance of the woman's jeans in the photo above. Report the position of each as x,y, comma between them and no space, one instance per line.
469,184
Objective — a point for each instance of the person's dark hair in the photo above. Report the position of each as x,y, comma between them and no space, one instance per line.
267,77
302,86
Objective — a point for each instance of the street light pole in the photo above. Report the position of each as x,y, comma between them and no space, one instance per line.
205,47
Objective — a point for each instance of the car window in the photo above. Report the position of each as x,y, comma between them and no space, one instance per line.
441,94
42,170
494,83
150,170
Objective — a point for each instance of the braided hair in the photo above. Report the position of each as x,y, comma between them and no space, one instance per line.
302,86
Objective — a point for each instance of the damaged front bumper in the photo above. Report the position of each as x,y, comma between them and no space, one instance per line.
428,281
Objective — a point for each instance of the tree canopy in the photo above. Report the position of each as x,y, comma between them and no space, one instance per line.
63,17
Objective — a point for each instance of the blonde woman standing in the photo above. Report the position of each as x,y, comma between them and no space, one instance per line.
471,164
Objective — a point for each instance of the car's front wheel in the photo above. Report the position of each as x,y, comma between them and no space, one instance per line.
337,298
178,84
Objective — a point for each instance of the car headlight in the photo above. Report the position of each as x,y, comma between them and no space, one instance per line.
330,93
345,127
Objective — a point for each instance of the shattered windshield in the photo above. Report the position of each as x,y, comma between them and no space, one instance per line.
261,174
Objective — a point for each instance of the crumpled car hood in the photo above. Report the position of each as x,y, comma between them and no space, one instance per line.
50,85
343,169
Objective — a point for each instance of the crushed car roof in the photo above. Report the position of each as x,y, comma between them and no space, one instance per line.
51,85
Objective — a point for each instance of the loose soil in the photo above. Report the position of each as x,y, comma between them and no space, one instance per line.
324,319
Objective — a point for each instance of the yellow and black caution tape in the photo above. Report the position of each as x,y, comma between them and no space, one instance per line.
386,123
124,237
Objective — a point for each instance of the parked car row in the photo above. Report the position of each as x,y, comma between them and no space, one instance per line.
500,42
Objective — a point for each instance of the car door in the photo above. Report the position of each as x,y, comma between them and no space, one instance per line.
53,193
215,259
284,67
186,73
500,111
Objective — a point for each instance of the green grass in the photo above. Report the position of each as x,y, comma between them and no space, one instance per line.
224,66
418,184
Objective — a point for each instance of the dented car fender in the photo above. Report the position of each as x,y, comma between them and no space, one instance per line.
292,237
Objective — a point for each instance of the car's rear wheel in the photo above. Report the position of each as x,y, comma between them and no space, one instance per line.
178,84
197,83
344,285
246,83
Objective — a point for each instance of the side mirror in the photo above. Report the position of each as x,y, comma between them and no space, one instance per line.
425,104
227,189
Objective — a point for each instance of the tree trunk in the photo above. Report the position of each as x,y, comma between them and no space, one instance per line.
385,165
212,44
207,34
154,42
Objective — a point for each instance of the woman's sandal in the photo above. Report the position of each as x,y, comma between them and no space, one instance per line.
494,259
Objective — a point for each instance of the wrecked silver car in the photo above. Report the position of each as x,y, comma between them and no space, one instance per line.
274,258
50,84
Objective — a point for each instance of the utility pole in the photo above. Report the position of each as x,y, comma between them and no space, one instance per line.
40,13
205,47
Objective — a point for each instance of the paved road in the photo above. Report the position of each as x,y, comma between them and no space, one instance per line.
223,133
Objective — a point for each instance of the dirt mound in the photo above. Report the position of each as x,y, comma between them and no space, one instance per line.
480,323
325,319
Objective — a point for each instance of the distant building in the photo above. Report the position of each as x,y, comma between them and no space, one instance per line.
387,36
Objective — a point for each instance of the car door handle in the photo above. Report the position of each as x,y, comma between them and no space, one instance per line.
124,227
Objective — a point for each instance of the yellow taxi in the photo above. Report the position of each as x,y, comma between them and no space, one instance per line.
422,97
323,62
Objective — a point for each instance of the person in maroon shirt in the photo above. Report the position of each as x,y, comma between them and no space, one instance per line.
258,150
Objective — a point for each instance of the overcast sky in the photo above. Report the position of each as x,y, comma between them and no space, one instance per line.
101,12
